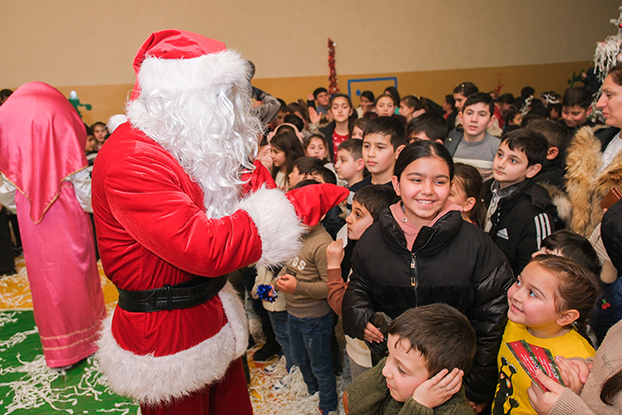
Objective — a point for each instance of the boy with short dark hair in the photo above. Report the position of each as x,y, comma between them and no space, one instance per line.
552,171
366,207
429,347
520,212
428,126
319,100
350,165
505,102
305,168
383,140
573,246
576,107
471,144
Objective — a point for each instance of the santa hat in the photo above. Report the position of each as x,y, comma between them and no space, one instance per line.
179,61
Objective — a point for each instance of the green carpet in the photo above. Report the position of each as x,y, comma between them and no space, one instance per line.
28,386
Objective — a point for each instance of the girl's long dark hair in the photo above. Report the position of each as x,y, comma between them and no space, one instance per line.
471,182
288,142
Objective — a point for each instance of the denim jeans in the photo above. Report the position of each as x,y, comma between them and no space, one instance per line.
281,332
309,340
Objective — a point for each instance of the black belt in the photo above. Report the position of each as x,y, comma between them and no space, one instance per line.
170,297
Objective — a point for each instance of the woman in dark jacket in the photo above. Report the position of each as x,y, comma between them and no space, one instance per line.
421,252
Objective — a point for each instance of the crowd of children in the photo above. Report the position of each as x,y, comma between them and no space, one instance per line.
453,249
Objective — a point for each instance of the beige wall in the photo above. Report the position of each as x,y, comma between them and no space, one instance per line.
89,46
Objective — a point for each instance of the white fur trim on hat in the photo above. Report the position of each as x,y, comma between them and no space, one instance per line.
277,223
184,75
115,121
154,380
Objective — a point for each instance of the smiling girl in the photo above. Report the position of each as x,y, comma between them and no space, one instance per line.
551,297
421,251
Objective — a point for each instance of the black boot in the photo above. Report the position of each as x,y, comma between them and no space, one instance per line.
268,351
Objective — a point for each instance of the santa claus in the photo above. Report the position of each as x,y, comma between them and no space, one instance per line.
178,204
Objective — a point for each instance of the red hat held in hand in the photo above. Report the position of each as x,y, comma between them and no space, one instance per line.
313,201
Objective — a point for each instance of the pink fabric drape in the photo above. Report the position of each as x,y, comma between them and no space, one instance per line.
42,142
64,281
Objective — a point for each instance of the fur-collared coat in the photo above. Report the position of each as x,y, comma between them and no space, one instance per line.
585,186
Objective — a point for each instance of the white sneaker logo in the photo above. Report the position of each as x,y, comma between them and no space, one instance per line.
503,233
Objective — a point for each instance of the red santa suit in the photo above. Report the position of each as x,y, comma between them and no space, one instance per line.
153,231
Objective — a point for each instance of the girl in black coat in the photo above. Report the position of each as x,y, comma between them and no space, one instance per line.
422,252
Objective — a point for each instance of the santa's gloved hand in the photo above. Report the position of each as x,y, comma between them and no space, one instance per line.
259,177
313,201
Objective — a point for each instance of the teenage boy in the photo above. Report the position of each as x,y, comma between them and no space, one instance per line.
383,140
428,126
471,144
520,212
576,107
552,171
319,100
430,349
350,166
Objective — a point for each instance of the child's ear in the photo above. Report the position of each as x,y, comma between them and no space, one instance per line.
396,185
533,170
460,117
360,164
398,151
470,204
567,317
589,111
491,121
552,153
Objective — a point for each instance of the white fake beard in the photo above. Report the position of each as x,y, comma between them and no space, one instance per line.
212,134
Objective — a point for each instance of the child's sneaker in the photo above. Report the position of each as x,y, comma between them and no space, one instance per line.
285,380
281,384
327,412
274,367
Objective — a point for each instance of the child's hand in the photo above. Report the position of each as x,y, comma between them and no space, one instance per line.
287,283
314,117
439,389
271,293
543,402
335,254
372,334
574,372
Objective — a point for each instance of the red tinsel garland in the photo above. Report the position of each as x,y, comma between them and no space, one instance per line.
332,77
